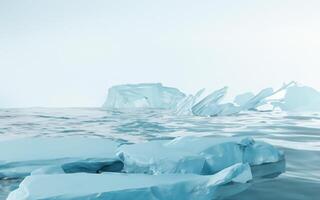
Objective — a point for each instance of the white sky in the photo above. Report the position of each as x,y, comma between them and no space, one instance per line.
69,52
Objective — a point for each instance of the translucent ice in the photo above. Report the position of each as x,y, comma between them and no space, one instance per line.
119,186
242,99
19,157
260,98
147,95
196,155
300,98
184,106
209,105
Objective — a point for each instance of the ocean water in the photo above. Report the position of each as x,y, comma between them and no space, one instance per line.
297,134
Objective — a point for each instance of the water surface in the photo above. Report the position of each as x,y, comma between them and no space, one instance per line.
297,134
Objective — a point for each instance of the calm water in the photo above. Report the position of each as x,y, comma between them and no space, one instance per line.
298,135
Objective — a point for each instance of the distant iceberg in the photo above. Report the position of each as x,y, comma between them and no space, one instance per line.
19,157
146,95
300,98
184,107
198,155
155,95
211,105
117,186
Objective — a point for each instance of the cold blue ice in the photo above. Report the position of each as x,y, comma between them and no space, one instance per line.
146,134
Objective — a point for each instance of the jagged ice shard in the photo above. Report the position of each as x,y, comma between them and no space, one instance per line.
200,156
146,95
19,157
184,106
211,106
154,95
117,186
208,106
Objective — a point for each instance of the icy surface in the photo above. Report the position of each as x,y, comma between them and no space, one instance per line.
19,157
297,134
134,186
196,155
147,95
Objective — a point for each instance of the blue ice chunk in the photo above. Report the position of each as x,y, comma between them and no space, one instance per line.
261,98
119,186
196,155
145,95
258,99
208,106
300,98
184,107
259,153
242,99
19,157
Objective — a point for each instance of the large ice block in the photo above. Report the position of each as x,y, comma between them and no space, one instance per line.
300,98
199,155
19,157
146,95
119,186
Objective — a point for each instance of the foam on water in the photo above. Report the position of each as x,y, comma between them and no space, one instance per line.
296,134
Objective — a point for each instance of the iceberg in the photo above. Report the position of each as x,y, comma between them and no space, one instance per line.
260,98
19,157
119,186
208,106
184,106
242,99
145,95
300,98
155,95
199,155
211,106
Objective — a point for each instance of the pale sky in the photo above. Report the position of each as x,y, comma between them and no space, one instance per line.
60,53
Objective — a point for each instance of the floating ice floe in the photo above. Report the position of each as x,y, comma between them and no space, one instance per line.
19,157
119,186
300,98
147,95
201,156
